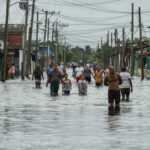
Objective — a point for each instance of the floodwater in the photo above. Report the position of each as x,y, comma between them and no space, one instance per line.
30,119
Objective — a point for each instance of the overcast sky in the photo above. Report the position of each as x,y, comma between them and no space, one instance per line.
88,20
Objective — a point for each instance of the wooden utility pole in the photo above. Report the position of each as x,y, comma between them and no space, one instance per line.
64,51
25,40
132,40
122,62
115,60
43,52
117,48
108,38
6,42
108,58
98,46
141,46
101,42
48,41
56,52
48,29
118,53
30,42
52,45
112,57
53,32
37,36
111,39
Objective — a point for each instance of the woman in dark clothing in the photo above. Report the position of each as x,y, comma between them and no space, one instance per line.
38,75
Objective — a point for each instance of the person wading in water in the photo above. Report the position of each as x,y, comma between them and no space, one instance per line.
37,75
113,80
54,79
126,86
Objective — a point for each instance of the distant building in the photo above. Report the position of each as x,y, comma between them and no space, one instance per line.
47,52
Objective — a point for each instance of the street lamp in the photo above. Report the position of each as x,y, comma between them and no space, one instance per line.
23,4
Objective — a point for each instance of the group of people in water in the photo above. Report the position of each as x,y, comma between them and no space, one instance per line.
118,83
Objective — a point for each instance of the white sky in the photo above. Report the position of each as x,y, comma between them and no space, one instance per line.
88,20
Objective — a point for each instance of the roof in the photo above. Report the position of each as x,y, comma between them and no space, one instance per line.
12,28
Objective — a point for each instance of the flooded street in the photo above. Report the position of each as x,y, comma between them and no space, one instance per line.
30,119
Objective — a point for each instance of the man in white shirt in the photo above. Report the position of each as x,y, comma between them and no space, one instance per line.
61,69
126,86
78,72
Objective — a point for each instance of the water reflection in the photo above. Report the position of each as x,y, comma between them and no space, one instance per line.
113,119
126,109
6,120
113,110
32,119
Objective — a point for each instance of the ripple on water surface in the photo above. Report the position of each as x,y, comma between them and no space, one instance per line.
30,119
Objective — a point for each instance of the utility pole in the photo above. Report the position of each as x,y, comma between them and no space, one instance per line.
48,40
132,38
107,48
53,32
43,52
98,46
123,48
65,52
108,38
141,46
37,35
6,42
48,29
118,53
112,57
25,40
117,46
52,45
115,60
101,42
56,53
111,39
30,42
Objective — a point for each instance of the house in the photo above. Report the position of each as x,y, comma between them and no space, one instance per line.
47,53
15,44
